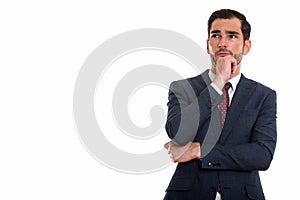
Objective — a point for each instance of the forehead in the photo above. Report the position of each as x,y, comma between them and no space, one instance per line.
233,24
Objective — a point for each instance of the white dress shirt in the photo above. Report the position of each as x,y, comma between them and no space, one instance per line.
234,81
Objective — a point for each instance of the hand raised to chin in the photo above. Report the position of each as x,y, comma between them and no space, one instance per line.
226,67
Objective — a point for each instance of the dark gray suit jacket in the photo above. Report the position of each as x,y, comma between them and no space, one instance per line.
245,145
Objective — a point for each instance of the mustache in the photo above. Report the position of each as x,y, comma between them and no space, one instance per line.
224,50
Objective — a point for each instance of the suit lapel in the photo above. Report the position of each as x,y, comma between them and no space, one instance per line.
244,90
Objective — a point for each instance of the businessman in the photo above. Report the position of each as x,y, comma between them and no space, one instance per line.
222,125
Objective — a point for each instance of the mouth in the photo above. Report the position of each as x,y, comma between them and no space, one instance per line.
223,53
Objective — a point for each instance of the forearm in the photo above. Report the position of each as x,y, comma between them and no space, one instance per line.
254,144
248,157
184,120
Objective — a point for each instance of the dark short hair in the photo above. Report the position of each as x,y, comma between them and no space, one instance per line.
229,14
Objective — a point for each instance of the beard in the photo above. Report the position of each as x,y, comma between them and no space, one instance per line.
238,56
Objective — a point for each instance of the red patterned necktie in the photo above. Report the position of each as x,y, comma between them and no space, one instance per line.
223,106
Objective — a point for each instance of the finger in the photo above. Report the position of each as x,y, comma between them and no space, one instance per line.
233,65
172,157
169,149
167,145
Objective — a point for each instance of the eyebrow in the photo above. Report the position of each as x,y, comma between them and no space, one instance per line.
227,32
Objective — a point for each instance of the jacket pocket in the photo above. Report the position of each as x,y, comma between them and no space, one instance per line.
181,183
254,192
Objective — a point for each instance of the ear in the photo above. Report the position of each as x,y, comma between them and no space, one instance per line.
207,46
247,47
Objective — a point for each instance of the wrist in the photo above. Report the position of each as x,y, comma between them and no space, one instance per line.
219,83
196,150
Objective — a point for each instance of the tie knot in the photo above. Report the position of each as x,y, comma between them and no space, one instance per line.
227,86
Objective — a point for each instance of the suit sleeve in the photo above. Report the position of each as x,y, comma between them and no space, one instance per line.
187,110
258,153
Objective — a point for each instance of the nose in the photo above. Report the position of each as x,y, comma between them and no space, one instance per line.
222,43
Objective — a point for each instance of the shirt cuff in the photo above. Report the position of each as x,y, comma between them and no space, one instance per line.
216,88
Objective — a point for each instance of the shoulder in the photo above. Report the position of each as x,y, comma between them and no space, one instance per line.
259,87
195,82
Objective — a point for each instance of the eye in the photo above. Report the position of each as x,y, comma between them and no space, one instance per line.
233,36
215,36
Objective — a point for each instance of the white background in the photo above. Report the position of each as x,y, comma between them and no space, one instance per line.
42,48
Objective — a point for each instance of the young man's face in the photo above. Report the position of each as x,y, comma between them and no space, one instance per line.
226,38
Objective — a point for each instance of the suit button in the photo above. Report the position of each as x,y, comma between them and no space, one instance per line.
212,189
210,164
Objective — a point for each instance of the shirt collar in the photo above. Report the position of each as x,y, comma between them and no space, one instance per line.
234,81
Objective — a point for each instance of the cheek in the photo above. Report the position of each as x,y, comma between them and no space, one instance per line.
241,49
210,50
211,47
237,49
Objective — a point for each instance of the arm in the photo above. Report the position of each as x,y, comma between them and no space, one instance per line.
255,155
188,112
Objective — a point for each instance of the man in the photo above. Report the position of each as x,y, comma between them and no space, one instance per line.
220,159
